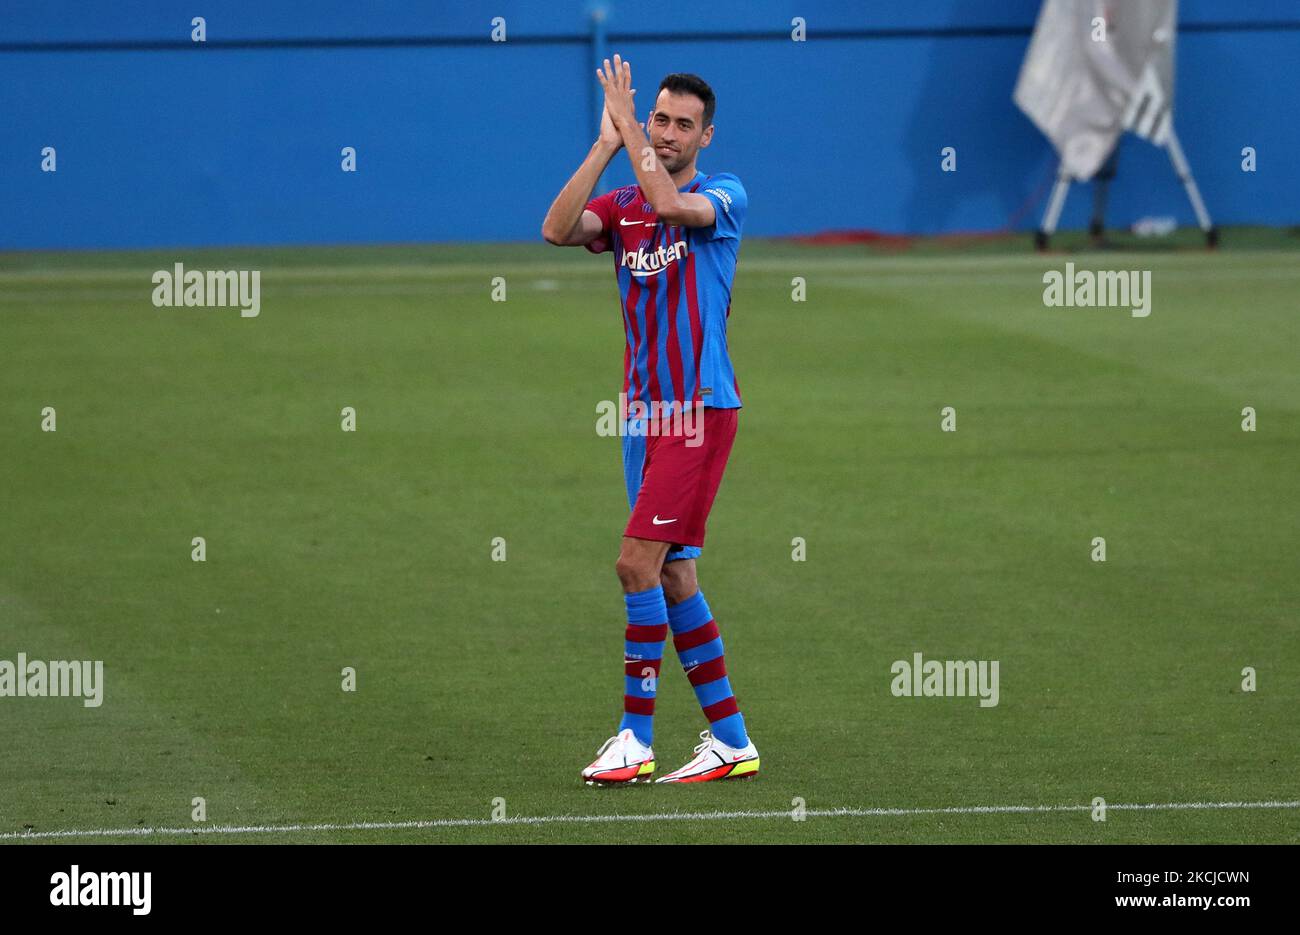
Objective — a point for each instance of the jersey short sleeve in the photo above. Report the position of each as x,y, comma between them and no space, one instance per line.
603,207
730,204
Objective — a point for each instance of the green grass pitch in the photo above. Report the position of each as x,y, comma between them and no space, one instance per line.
481,680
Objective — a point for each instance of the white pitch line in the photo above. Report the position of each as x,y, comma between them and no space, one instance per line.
610,819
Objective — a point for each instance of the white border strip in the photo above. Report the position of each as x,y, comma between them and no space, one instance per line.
608,819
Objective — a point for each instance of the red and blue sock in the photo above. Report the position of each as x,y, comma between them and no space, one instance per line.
699,647
643,651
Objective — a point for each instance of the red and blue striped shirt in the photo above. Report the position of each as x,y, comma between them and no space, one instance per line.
676,289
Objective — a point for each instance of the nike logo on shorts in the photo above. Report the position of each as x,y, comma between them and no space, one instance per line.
661,522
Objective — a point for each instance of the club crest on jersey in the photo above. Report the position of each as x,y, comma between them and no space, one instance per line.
643,262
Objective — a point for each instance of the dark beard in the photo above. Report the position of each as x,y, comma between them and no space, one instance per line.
679,163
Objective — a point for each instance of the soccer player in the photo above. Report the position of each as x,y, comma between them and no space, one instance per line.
675,236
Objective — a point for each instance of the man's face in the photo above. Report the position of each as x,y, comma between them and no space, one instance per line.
676,130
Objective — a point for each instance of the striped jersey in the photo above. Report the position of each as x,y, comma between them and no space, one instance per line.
675,284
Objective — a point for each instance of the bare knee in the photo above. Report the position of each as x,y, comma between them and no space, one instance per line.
631,572
638,565
678,580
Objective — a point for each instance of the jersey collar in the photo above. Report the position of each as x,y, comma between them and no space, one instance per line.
698,175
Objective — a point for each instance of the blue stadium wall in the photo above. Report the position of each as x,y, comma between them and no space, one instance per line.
162,142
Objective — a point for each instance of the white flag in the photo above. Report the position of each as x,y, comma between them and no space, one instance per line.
1096,68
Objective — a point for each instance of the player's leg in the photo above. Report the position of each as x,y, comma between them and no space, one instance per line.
640,562
678,493
727,751
628,756
638,567
679,581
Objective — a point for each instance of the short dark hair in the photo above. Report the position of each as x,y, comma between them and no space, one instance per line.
692,84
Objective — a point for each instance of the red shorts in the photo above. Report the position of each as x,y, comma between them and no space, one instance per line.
679,481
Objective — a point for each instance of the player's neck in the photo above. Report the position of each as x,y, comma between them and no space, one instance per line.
684,175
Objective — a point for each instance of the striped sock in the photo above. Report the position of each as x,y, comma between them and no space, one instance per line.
647,629
699,647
